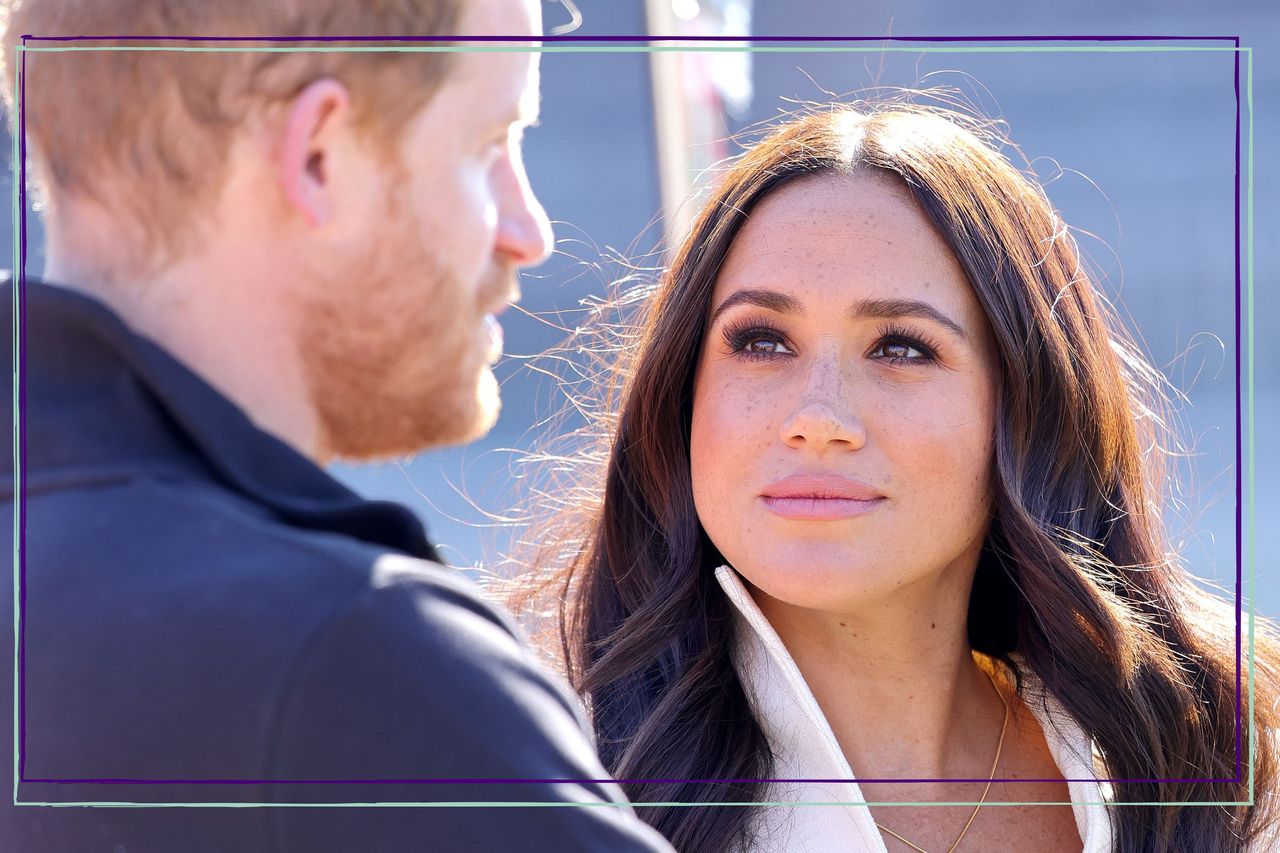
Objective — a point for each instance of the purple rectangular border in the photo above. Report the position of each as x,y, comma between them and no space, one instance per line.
21,382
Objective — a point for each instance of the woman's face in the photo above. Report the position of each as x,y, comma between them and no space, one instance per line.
843,411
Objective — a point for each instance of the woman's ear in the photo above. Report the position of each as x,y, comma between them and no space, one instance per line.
315,118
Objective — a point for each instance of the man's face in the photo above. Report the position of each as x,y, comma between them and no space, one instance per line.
397,329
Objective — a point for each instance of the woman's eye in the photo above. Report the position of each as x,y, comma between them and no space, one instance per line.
899,351
755,341
894,350
764,346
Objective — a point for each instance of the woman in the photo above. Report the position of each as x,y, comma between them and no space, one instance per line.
881,502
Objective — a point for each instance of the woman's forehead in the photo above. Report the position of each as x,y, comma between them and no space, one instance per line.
829,236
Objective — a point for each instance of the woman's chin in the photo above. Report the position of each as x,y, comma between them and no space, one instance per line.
819,581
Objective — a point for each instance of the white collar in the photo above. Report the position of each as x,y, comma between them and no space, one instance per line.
804,747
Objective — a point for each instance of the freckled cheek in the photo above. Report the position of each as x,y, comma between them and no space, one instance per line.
941,466
732,430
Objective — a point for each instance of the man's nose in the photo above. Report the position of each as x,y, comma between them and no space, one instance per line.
524,231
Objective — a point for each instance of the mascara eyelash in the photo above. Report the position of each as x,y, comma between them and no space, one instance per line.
905,336
738,334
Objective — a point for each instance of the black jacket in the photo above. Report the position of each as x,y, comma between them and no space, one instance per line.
206,616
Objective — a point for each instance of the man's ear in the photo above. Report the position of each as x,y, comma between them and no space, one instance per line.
310,132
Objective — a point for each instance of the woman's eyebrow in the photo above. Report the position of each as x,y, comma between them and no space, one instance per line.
888,309
772,300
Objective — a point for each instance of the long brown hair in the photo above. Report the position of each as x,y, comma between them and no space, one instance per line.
1076,575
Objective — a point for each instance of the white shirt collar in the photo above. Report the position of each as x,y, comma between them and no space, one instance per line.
805,748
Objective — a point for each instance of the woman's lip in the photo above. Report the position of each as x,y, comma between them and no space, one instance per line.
819,497
820,487
818,509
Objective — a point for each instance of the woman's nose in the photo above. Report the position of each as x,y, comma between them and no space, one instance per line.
824,413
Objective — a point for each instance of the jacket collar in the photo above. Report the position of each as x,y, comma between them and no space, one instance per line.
98,400
805,747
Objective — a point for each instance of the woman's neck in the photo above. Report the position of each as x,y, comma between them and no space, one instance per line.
897,682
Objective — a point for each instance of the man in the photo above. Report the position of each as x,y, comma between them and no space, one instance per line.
265,262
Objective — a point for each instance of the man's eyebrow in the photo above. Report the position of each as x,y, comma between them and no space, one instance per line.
889,309
771,300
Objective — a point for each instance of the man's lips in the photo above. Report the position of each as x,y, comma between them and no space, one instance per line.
494,329
511,297
496,308
820,497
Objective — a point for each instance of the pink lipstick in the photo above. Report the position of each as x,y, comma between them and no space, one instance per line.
820,497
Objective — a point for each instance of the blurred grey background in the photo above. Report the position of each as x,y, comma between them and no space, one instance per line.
1137,149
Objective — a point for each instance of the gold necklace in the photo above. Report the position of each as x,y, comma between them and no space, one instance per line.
999,747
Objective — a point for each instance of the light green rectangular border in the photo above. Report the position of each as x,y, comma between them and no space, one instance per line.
1249,556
